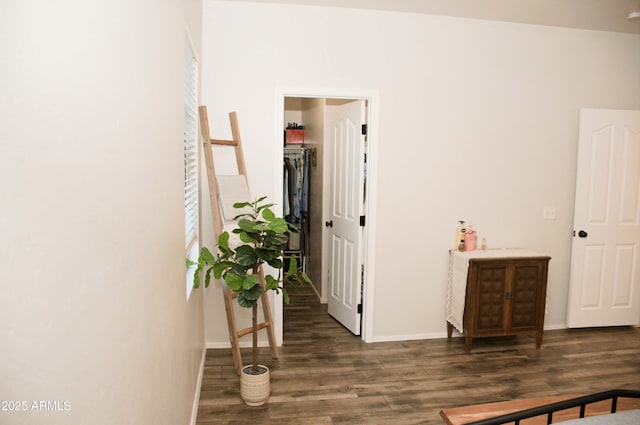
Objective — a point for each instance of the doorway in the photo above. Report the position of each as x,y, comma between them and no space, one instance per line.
310,111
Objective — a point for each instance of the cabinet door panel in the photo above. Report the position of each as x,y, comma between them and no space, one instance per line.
524,296
490,312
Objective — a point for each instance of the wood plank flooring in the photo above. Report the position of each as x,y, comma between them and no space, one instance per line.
327,376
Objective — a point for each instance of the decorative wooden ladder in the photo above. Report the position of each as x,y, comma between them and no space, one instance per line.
229,296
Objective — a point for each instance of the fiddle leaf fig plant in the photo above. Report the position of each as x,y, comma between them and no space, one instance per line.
260,237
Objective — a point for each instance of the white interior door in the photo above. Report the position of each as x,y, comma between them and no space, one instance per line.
346,206
605,281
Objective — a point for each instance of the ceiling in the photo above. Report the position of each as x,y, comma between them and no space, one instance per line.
599,15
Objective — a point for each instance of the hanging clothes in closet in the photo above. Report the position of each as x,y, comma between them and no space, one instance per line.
296,194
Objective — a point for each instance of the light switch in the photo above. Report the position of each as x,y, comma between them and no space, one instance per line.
549,212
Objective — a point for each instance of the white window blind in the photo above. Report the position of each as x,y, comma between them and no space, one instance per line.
190,146
191,207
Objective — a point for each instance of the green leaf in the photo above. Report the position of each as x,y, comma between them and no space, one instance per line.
293,265
251,294
247,237
263,207
196,277
246,215
305,278
207,256
275,241
250,281
276,263
223,241
285,295
220,267
244,301
278,225
207,277
246,255
251,226
271,282
239,205
190,263
234,281
240,269
267,254
292,228
268,215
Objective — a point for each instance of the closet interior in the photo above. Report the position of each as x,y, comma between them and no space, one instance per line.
297,161
303,181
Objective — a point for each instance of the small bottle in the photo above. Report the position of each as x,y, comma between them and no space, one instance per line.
470,239
484,244
460,231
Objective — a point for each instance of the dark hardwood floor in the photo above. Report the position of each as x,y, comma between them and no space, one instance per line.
325,375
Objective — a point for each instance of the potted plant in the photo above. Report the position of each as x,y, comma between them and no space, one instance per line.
263,238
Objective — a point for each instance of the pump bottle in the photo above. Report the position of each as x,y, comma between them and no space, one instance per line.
460,231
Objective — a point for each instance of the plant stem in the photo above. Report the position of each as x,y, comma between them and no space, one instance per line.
254,311
254,318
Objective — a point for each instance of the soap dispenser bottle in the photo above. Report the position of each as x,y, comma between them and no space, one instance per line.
460,231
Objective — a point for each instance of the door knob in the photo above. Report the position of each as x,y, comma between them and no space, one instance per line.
328,223
582,234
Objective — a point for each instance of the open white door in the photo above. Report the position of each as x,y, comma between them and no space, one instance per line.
346,206
605,280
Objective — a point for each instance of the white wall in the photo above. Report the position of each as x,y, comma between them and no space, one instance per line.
477,121
93,310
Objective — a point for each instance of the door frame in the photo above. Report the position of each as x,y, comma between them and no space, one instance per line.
372,98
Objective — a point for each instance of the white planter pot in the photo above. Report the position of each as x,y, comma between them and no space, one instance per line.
255,388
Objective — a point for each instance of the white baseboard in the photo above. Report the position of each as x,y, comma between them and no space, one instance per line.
383,338
243,344
436,335
196,398
216,345
411,337
555,327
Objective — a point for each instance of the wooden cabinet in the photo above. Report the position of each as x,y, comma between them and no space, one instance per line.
504,296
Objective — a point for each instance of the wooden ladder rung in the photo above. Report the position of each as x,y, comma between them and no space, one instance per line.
224,142
246,331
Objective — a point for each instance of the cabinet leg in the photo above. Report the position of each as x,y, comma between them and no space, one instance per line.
449,331
467,343
538,339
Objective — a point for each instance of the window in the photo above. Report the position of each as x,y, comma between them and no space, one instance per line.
191,208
